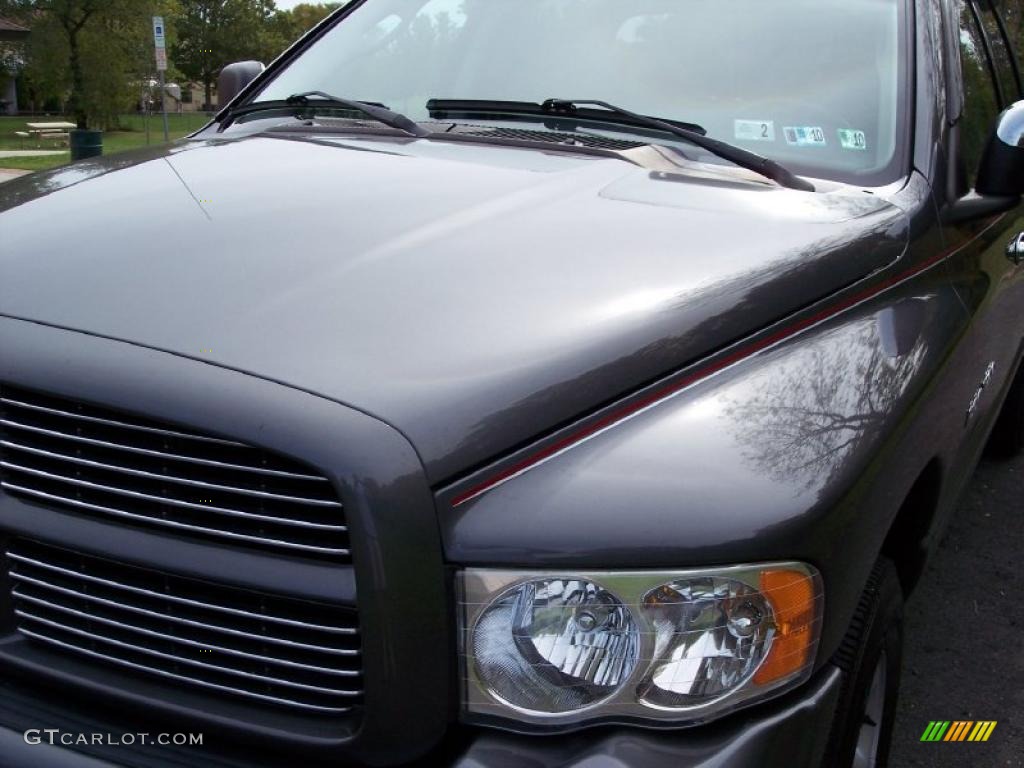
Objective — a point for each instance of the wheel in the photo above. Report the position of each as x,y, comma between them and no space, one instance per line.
1007,438
870,658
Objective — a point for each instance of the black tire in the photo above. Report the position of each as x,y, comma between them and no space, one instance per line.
875,637
1007,440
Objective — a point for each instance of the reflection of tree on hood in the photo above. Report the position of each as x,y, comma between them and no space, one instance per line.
810,410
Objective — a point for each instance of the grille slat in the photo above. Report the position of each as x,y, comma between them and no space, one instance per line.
294,653
105,463
170,523
174,620
167,478
112,422
176,638
168,500
187,662
159,454
176,599
173,676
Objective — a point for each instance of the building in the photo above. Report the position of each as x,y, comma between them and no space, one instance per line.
189,98
184,97
11,35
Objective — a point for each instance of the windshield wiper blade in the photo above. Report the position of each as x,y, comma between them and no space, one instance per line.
377,112
441,108
691,133
737,155
390,118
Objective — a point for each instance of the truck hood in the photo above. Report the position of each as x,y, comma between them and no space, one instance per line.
471,296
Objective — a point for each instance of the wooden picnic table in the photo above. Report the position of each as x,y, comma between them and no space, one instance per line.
57,130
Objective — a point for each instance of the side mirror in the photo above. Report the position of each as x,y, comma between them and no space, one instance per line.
1001,173
233,78
1002,166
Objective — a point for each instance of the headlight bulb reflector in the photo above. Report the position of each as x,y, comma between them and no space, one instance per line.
555,645
710,636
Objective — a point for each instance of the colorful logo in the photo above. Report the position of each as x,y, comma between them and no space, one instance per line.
958,730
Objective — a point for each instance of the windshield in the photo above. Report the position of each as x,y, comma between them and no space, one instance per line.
813,84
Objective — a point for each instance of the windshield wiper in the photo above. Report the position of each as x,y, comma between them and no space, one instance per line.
693,134
442,108
302,100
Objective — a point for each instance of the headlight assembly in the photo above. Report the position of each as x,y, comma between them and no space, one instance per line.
557,649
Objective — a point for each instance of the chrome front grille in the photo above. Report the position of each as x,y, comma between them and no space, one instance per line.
92,460
298,655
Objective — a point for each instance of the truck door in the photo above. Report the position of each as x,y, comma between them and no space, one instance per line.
988,276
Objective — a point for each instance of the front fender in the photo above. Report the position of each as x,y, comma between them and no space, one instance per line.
803,451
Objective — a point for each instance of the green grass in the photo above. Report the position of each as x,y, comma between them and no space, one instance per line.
131,135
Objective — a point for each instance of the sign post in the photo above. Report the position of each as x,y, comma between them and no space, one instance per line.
146,100
161,65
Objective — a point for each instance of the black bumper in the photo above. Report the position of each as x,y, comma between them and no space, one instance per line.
790,733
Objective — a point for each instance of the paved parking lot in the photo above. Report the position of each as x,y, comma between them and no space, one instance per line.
964,657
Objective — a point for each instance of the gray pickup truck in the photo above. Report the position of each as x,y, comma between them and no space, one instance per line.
491,384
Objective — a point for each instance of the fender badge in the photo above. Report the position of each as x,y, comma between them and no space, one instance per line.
986,380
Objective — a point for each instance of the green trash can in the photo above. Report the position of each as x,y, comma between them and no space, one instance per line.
86,143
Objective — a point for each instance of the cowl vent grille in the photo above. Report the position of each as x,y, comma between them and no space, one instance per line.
265,649
548,137
106,464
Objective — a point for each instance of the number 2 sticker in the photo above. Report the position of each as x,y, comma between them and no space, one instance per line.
755,130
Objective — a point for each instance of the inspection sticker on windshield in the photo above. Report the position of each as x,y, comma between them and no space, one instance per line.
805,136
755,130
850,139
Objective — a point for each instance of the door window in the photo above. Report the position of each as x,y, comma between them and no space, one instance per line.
1002,51
981,104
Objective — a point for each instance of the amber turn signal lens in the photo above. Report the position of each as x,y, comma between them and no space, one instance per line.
792,598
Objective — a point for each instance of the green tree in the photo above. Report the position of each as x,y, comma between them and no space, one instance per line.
60,27
212,33
88,52
289,25
304,16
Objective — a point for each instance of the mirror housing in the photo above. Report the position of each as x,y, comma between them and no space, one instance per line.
1002,166
233,78
1001,173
